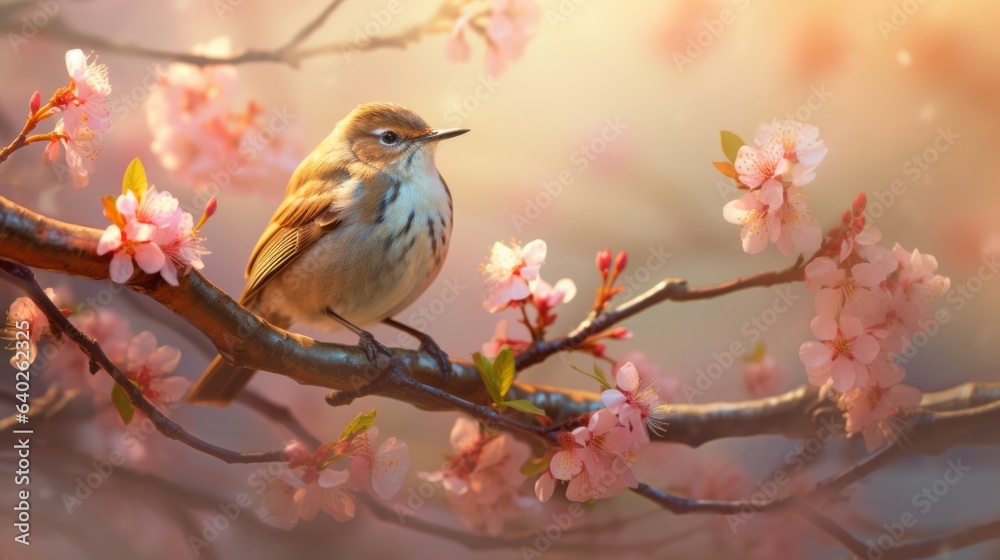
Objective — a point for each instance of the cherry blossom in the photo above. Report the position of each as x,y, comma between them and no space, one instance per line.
873,410
841,353
305,488
634,405
86,102
501,339
149,366
208,141
154,232
595,459
386,465
763,376
651,375
82,146
23,310
511,273
761,169
800,146
512,24
857,293
757,214
483,481
799,230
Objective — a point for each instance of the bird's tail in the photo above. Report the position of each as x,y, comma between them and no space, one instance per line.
220,383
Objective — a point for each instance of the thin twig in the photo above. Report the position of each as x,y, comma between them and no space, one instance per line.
22,277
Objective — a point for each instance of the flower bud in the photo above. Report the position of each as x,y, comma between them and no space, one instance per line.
604,261
35,103
845,218
620,261
859,204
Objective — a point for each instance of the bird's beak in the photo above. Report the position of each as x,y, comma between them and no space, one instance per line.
436,135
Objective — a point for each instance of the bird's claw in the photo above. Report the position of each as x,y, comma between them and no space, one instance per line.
371,346
428,345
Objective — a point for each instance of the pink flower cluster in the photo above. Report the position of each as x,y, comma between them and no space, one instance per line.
785,158
482,480
513,280
512,23
596,460
206,143
310,483
150,366
870,302
151,228
85,109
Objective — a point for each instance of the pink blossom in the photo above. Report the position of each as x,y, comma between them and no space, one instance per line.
483,481
156,233
305,488
758,217
867,237
386,465
841,354
202,135
511,273
799,231
651,374
858,294
26,318
918,281
546,296
150,366
87,103
764,376
762,168
512,24
634,405
501,340
800,145
873,411
82,145
456,48
595,459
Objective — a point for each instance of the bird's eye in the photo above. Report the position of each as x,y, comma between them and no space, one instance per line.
389,137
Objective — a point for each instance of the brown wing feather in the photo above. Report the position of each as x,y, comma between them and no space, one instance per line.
295,226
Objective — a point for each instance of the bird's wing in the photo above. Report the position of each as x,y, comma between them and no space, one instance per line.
295,226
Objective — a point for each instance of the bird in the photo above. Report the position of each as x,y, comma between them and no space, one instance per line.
362,232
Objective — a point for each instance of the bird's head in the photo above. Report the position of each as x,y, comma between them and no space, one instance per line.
391,137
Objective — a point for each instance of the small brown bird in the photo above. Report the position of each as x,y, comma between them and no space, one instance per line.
362,232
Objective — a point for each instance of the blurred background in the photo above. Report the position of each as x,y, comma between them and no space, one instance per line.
623,105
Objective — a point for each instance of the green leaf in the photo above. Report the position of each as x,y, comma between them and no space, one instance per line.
135,179
524,405
731,144
503,366
359,425
597,376
122,404
534,467
485,369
